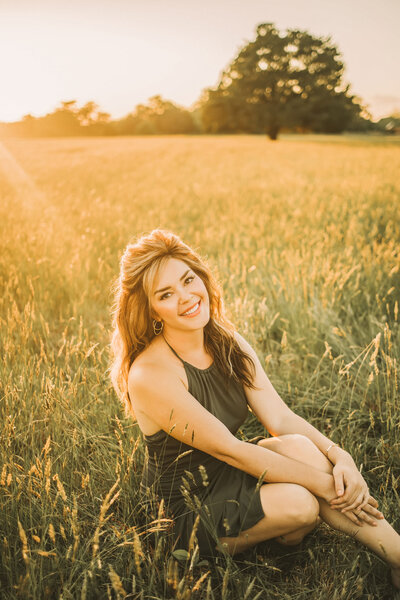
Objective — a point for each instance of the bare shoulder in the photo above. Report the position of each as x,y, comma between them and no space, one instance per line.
240,339
153,366
244,344
154,379
260,378
150,358
153,361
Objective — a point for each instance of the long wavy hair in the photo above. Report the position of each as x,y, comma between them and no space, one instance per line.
132,314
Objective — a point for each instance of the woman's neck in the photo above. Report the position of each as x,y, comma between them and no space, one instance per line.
186,342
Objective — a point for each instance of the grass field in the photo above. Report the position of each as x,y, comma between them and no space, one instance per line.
304,235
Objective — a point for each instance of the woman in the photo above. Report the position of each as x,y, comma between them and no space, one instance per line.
188,378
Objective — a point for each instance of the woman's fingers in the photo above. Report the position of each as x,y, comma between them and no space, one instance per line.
340,501
351,499
361,518
344,501
339,483
374,512
363,504
373,502
357,504
348,497
338,506
369,504
354,518
367,518
369,514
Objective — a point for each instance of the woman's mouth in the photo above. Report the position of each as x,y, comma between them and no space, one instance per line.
193,311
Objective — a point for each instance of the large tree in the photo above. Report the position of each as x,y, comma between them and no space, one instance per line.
282,79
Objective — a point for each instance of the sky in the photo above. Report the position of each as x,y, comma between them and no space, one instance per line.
119,53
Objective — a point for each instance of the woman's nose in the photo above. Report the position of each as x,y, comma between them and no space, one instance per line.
184,296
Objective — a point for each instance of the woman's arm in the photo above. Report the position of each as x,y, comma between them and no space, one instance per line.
159,394
351,489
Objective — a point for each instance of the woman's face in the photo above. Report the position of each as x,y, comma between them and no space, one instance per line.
179,297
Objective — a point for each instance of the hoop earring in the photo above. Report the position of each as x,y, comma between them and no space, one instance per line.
158,326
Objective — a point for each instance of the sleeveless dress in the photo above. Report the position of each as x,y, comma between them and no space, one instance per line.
193,482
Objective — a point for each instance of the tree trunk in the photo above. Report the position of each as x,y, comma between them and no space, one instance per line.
273,131
273,120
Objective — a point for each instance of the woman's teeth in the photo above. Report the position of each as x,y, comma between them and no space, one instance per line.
192,310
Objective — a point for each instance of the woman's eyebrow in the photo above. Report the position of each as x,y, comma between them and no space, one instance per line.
168,286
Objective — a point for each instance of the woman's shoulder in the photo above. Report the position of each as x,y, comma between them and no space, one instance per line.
246,348
153,370
242,343
153,361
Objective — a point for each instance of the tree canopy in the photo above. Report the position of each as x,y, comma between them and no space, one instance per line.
281,80
157,116
66,120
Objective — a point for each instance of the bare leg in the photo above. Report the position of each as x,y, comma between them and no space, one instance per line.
294,538
382,538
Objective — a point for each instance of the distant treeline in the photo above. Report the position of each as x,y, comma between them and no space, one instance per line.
158,116
281,81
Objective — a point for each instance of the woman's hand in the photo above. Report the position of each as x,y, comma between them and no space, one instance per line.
351,488
369,514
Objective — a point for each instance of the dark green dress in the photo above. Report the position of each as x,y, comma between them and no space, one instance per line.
193,482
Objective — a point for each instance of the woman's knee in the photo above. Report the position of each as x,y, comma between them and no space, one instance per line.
288,440
299,439
300,447
306,507
300,506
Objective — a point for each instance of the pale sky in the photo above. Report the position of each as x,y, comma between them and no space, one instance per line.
120,52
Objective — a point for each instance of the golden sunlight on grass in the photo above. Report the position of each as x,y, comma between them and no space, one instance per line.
305,238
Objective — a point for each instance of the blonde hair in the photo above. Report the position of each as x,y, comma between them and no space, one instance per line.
132,313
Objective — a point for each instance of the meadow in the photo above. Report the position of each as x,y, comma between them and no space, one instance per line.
304,235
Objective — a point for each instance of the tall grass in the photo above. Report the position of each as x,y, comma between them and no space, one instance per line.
305,238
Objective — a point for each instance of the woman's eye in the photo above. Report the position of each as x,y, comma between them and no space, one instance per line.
188,279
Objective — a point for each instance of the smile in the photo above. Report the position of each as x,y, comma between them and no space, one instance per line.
192,311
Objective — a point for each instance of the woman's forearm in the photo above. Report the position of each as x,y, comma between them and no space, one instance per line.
277,468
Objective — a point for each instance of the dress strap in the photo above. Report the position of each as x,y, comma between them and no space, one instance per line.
174,351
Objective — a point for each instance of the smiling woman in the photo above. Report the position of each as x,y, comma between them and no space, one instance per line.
188,377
